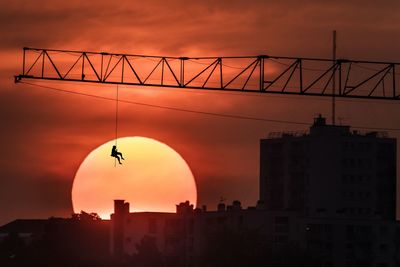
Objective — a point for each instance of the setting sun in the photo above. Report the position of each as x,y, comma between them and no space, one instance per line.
153,177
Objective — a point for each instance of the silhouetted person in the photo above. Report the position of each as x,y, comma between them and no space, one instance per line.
116,154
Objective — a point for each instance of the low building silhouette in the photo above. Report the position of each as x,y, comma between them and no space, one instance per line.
352,242
82,240
327,198
185,236
27,230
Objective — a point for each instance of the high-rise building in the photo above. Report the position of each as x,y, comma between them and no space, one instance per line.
329,171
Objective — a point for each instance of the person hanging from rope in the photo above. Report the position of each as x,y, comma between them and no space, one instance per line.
116,154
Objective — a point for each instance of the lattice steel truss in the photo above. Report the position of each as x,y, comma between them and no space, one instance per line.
259,74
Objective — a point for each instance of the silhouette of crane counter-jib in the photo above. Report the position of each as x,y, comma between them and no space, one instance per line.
116,154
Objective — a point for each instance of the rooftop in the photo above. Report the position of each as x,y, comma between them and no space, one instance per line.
320,126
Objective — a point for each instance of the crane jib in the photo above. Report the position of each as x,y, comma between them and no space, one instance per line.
250,74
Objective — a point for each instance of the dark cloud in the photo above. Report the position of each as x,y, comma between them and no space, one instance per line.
200,27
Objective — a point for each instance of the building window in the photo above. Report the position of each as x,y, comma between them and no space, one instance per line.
368,146
281,219
383,230
282,228
191,226
383,247
191,244
152,226
281,239
344,162
345,145
352,162
328,246
240,221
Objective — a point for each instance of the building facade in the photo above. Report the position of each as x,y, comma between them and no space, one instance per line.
327,198
352,242
329,172
185,235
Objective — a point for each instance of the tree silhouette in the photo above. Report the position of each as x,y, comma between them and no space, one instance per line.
147,254
84,216
11,249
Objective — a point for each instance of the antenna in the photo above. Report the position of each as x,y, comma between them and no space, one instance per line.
334,79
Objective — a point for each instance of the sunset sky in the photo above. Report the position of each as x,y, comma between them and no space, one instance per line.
45,135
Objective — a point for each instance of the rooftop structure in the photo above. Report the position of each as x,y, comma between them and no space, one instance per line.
330,172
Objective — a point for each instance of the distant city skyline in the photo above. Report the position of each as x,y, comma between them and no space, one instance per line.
50,133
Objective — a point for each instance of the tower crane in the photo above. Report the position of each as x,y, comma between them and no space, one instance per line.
262,74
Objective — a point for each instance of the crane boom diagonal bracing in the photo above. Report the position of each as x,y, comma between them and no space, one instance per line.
257,74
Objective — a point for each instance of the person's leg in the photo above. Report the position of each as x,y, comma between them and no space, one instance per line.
120,154
116,156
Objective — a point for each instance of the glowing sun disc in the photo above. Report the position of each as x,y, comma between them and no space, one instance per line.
153,177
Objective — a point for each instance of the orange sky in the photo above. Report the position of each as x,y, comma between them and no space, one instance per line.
47,134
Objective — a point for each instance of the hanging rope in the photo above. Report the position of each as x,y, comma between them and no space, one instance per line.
116,125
